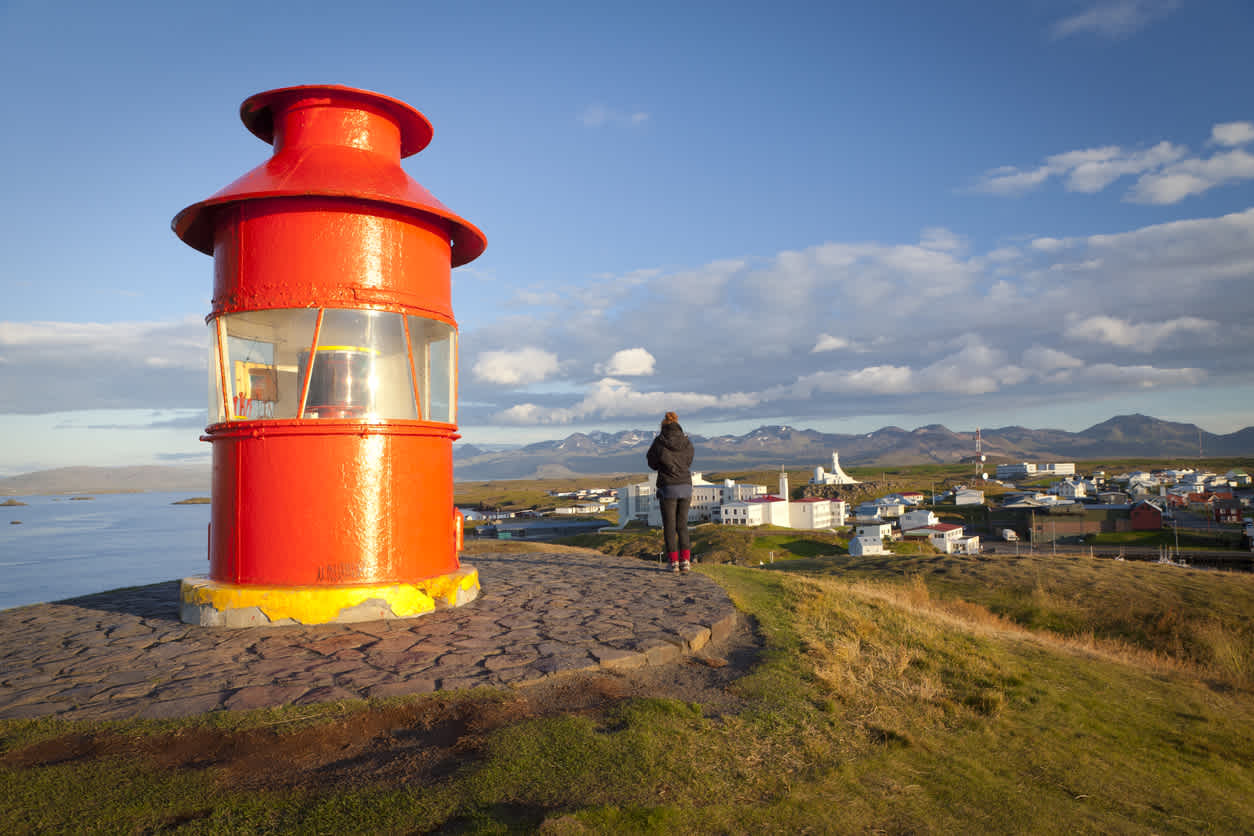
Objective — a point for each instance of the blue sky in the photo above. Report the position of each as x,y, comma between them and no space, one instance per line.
831,215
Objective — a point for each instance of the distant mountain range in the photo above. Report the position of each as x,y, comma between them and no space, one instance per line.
192,479
1125,436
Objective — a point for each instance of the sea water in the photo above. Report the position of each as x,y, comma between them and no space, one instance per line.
65,547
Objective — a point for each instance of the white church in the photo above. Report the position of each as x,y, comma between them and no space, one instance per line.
836,477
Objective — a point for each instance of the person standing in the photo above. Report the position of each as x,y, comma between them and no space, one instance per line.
671,456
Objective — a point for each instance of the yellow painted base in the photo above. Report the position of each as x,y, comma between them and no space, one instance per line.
213,604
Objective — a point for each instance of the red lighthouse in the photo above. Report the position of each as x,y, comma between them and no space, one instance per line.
332,371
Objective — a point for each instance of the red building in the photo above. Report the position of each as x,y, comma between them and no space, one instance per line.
1146,516
1227,511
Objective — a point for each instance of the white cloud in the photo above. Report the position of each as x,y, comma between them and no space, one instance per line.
1093,175
630,362
599,116
939,238
1232,133
1008,180
514,368
1044,359
1003,254
1140,377
1049,245
827,342
1144,337
1166,173
1088,170
1114,18
1175,182
609,398
790,335
54,366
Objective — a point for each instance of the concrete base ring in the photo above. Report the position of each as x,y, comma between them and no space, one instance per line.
210,603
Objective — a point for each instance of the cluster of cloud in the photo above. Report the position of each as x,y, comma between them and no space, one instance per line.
844,329
56,366
836,330
1165,173
1114,18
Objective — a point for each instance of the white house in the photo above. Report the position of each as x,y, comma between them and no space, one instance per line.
584,508
917,519
747,513
944,536
867,512
859,546
877,531
890,509
634,501
967,545
1071,489
968,496
810,513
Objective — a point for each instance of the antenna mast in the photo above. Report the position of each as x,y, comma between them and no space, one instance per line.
979,457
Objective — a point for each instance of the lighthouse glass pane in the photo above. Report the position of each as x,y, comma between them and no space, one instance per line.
360,368
216,415
435,358
261,362
442,379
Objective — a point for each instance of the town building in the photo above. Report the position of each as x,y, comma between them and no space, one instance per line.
947,538
1146,516
860,546
1022,470
811,513
968,496
1071,489
917,519
837,476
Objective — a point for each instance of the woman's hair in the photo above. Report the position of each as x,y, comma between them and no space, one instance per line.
670,418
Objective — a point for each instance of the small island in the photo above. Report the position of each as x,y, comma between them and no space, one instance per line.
11,503
80,498
195,500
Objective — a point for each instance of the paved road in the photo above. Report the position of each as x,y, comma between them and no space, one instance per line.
125,654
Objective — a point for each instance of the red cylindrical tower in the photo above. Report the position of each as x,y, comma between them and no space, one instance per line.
332,370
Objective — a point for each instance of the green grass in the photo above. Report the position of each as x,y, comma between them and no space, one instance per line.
912,694
713,543
1185,539
1191,617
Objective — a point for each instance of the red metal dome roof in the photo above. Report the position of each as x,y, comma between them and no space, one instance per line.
332,141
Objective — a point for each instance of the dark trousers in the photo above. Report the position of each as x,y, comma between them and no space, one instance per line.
675,523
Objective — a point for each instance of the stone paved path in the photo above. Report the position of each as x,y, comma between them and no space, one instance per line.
125,654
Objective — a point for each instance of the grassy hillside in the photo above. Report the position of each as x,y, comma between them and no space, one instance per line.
889,697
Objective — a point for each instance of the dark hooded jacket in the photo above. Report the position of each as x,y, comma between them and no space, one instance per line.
671,456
